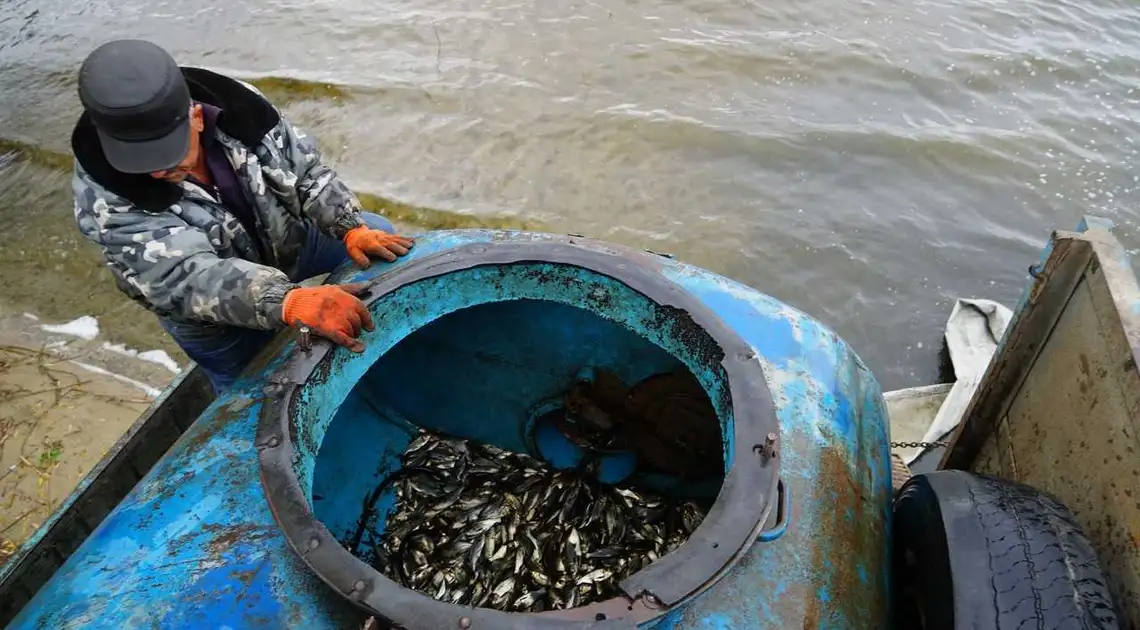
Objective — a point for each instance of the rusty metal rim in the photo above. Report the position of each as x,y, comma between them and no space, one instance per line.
742,506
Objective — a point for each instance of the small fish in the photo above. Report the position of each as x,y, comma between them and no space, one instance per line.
500,553
489,542
422,575
535,555
493,512
629,495
456,550
423,544
419,558
525,600
595,576
445,504
479,594
481,526
418,443
472,503
476,552
569,505
539,578
691,517
604,554
504,587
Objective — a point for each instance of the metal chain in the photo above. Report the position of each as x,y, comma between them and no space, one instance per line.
919,444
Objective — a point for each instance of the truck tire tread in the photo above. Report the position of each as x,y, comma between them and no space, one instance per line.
1041,570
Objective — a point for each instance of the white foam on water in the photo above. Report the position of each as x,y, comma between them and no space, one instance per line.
152,356
151,392
86,327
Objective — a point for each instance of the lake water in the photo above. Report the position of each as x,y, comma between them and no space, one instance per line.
867,162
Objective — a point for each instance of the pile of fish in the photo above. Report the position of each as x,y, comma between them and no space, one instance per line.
479,526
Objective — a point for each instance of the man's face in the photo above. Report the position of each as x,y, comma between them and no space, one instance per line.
186,166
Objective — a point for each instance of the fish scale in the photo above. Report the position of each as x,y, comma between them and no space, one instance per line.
481,526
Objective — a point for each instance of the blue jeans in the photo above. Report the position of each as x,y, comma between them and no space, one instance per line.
223,351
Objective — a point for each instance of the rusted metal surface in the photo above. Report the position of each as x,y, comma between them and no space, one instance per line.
829,570
196,543
1031,324
1060,408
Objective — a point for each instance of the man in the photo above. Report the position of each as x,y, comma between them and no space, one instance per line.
210,208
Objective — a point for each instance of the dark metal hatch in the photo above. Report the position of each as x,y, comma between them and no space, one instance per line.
745,501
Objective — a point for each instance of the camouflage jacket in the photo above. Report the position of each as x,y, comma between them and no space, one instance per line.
177,250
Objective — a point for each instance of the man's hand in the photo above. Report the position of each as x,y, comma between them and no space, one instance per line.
332,311
364,241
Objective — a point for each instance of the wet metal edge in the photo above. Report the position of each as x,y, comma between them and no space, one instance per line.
743,505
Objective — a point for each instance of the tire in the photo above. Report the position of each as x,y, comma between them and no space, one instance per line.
979,553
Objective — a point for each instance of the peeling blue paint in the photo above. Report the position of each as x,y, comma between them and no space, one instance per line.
195,542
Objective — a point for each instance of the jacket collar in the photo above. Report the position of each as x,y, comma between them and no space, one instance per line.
247,118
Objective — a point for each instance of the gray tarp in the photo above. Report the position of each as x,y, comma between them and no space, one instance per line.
973,330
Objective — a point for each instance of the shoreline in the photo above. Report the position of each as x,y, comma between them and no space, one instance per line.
65,399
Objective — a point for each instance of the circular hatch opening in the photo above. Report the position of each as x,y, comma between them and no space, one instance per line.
463,465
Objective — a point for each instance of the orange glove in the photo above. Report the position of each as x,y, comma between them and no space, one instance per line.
362,241
332,311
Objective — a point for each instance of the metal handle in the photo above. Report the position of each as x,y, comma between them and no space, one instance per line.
783,514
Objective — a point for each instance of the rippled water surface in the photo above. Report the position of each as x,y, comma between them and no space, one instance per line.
867,162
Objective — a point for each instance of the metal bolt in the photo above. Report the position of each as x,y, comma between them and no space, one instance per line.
652,600
305,341
314,543
767,450
464,622
273,442
358,586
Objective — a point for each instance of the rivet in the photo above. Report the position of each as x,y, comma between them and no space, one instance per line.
314,543
359,586
465,622
273,442
772,438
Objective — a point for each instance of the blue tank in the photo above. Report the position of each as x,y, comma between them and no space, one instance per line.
245,521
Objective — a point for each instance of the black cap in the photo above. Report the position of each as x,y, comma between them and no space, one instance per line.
138,100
